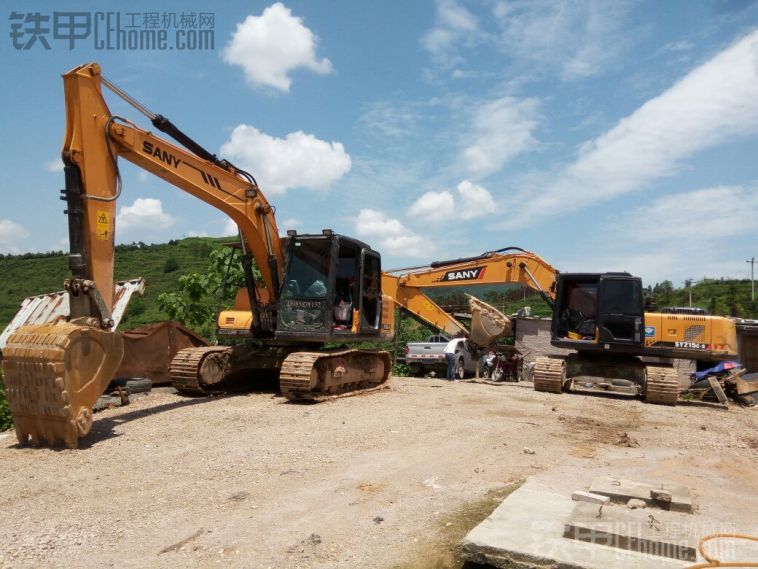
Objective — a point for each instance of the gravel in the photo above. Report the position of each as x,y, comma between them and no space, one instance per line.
254,481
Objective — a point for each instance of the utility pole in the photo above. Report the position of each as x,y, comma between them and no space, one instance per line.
752,277
688,285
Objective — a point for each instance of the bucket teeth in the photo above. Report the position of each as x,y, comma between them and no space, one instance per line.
54,373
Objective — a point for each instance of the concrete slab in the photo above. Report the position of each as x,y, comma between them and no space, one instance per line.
621,490
583,496
653,531
527,530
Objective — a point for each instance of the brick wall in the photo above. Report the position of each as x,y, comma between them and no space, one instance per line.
533,338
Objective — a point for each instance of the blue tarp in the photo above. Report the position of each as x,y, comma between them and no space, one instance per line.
718,369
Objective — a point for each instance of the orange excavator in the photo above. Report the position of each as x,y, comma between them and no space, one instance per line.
313,290
55,373
618,346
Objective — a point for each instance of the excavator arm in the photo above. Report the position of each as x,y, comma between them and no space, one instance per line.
54,373
95,139
511,265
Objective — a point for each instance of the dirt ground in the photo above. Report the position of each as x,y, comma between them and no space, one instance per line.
390,479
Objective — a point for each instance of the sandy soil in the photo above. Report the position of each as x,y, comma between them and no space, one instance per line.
390,479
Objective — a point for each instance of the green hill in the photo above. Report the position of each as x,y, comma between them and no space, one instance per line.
160,265
721,297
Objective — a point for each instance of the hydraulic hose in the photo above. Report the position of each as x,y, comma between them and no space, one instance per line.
711,562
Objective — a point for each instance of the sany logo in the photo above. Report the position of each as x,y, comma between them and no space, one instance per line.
465,275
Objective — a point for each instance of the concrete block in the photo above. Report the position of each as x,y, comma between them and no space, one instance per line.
620,491
667,534
526,530
582,496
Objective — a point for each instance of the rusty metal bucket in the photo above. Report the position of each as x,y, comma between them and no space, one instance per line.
148,350
488,324
54,374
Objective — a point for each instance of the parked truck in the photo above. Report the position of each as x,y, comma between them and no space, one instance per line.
424,357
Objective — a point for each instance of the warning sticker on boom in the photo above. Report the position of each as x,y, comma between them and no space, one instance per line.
103,231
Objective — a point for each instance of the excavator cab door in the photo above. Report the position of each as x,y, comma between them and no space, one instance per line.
597,310
331,290
620,314
371,292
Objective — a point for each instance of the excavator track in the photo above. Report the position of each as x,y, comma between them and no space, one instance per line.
548,374
318,376
661,385
199,370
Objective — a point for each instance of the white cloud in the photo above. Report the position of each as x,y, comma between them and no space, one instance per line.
390,119
299,160
390,235
474,201
454,25
145,215
54,165
434,205
680,236
725,211
713,104
142,176
579,38
678,46
230,228
11,236
271,46
503,129
289,223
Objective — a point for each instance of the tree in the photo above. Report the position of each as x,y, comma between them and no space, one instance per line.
663,293
171,265
196,299
732,300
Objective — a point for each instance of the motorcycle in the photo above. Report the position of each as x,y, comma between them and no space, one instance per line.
499,366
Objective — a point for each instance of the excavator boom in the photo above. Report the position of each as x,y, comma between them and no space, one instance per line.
55,373
510,265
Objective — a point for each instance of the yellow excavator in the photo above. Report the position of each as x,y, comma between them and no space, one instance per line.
313,290
618,345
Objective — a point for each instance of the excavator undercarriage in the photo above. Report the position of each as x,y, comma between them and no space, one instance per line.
655,383
300,375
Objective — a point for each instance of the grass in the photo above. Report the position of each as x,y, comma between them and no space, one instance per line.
441,550
160,265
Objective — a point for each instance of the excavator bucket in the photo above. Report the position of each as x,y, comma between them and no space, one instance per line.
54,374
488,324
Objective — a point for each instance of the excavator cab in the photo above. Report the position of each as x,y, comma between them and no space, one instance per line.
331,290
595,311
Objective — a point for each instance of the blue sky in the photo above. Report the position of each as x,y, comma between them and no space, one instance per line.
601,135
